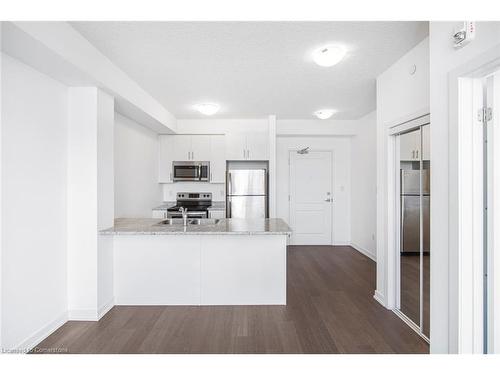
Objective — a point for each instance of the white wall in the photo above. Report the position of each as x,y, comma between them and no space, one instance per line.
401,96
341,148
444,58
364,186
90,201
34,144
136,169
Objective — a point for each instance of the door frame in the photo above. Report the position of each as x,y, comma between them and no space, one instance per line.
394,221
465,232
332,208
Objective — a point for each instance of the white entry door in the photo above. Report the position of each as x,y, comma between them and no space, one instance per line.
311,198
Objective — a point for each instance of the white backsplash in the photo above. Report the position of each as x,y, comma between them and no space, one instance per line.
170,190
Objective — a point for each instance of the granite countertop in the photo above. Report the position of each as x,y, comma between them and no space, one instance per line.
223,227
216,206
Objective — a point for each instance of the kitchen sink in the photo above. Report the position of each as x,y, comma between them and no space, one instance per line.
203,221
189,221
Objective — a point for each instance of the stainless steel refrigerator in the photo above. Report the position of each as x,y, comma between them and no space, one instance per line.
410,210
247,193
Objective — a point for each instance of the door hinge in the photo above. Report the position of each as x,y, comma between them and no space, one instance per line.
484,114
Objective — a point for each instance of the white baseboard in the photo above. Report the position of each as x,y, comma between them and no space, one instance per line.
363,251
379,297
91,315
36,338
83,315
105,308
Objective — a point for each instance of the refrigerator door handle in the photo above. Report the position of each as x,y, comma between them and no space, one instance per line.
229,187
228,207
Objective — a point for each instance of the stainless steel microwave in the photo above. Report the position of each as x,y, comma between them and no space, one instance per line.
191,171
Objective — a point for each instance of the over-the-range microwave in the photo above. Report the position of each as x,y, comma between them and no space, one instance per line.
191,171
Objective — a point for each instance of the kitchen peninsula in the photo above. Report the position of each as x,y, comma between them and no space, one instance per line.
207,262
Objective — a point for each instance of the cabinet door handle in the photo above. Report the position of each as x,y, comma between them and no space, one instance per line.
170,176
417,153
192,155
413,154
244,154
248,154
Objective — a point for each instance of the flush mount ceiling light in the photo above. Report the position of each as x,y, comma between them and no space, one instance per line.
329,55
324,114
207,109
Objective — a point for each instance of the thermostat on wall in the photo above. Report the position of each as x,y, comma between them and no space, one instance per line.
464,34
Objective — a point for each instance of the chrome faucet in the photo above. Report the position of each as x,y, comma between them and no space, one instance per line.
183,211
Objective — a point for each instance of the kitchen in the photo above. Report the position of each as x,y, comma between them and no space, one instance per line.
230,193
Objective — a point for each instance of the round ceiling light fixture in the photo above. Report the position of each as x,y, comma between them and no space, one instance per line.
207,109
324,114
329,55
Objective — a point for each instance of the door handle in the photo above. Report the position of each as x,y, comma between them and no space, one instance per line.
244,154
328,200
248,154
413,154
417,153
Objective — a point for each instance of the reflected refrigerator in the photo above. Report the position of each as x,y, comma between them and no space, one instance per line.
247,193
410,210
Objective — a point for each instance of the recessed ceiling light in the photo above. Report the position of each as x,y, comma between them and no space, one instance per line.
208,109
329,55
324,114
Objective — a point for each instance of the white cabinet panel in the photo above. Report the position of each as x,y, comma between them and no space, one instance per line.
217,214
217,159
182,147
159,214
247,146
410,146
243,270
166,145
200,147
258,146
236,144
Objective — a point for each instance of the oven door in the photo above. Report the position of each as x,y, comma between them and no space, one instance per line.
191,171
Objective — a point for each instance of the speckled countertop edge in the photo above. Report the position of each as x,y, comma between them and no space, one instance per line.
223,227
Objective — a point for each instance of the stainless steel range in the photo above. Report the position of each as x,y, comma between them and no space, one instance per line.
196,204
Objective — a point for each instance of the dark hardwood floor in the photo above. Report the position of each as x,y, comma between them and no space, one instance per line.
330,309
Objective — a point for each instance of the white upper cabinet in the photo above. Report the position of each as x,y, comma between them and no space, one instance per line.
192,147
200,147
166,158
258,146
236,145
409,146
247,146
182,147
217,159
426,142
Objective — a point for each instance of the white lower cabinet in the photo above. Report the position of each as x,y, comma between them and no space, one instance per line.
159,214
217,214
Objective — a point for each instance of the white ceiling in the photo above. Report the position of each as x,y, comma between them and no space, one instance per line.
254,69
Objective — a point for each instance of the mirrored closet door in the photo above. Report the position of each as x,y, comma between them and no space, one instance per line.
414,216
